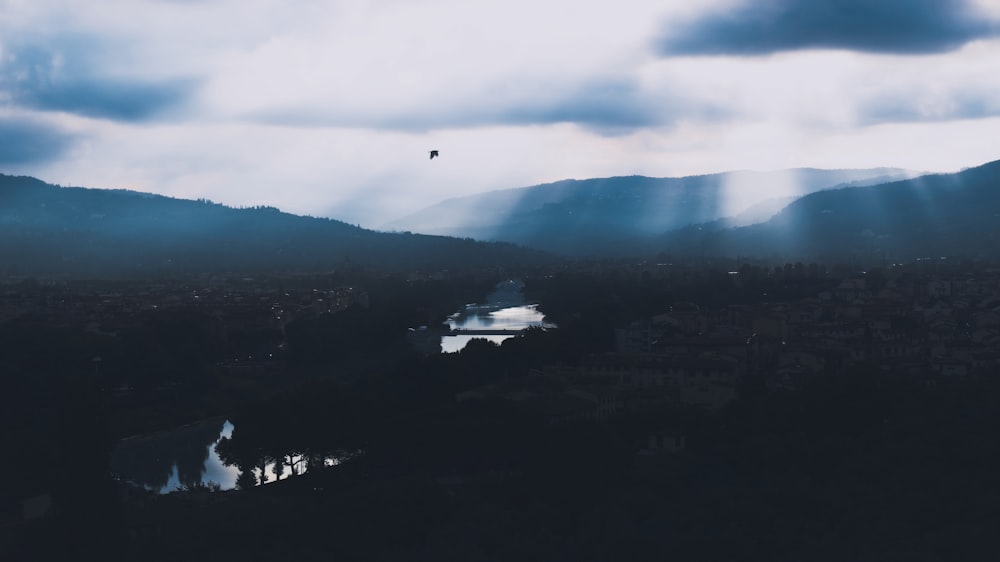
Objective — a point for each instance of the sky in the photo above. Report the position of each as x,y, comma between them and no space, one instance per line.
329,108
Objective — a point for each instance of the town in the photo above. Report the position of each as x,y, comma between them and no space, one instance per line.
657,375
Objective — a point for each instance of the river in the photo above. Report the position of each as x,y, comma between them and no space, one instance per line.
505,310
186,457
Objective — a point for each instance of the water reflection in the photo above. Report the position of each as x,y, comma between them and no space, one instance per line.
187,458
168,460
493,318
505,310
454,344
290,466
214,472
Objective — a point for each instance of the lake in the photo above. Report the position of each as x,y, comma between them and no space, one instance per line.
505,310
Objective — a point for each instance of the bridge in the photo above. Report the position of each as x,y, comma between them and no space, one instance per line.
483,332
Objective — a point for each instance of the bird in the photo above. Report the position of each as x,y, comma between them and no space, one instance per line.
434,153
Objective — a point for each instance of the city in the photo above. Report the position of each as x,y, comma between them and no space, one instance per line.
813,360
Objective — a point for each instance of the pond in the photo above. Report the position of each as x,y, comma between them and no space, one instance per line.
505,311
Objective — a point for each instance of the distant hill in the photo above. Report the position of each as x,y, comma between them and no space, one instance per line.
596,216
51,230
933,216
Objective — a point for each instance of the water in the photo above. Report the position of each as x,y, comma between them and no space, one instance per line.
505,310
213,471
166,461
186,458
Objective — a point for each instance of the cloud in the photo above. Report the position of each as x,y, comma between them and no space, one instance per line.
602,106
608,107
927,89
925,106
69,77
620,107
764,27
446,64
330,107
27,141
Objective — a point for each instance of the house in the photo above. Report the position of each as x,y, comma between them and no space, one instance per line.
571,405
800,361
940,288
688,315
950,368
709,396
637,337
664,441
36,507
851,290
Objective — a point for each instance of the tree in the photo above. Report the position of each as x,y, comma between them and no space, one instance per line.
247,479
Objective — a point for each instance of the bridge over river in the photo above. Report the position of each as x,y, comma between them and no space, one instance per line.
461,332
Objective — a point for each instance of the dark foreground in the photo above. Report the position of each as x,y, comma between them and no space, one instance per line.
864,430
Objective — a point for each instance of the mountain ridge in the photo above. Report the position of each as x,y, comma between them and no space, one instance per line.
49,229
577,216
935,215
52,230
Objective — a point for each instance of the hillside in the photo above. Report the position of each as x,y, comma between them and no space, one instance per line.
51,230
594,216
929,216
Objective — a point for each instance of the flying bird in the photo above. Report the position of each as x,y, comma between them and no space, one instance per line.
434,153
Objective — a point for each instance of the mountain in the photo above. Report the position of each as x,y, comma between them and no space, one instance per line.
51,230
596,216
932,216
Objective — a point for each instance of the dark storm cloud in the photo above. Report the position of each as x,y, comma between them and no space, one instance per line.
25,141
110,99
70,79
761,27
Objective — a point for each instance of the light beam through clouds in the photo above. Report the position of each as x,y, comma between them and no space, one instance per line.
328,108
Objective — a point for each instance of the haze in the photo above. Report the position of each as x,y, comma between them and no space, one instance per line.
329,108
